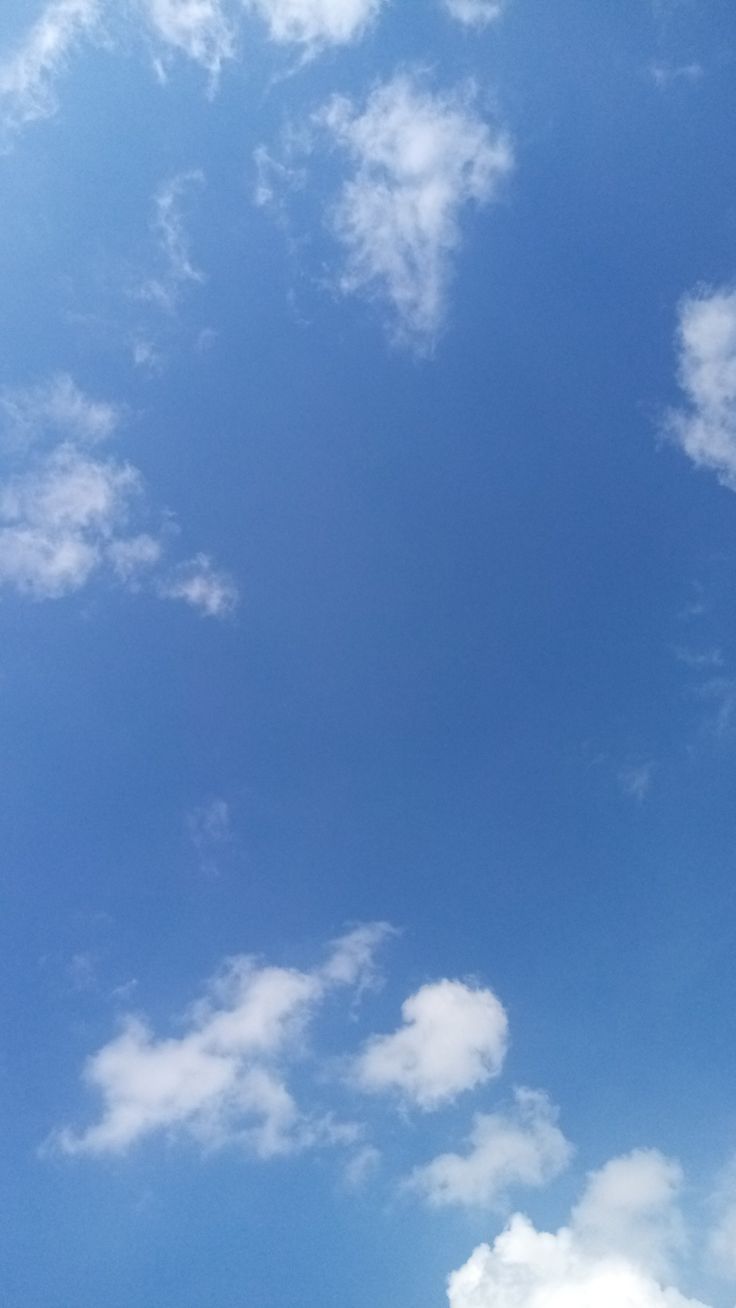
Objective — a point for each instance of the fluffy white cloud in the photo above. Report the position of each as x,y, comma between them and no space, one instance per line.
522,1147
66,513
28,75
579,1266
475,13
419,159
315,22
199,29
453,1038
198,583
222,1080
526,1268
706,427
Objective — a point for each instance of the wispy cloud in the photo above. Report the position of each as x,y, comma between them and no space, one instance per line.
420,158
615,1250
28,75
475,13
705,427
453,1038
522,1147
223,1080
636,779
173,243
199,29
210,831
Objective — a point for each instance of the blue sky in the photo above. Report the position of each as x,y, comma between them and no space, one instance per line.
368,672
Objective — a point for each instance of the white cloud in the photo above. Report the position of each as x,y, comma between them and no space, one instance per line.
55,407
706,427
28,76
579,1266
419,159
173,242
453,1038
522,1147
222,1080
199,29
475,13
315,22
66,514
204,587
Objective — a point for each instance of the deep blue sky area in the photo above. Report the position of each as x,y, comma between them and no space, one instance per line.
367,458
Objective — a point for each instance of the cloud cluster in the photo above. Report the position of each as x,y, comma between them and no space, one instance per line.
600,1259
68,513
419,158
223,1079
522,1147
706,427
453,1038
28,75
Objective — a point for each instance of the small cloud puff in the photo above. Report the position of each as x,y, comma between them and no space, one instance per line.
453,1038
198,583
